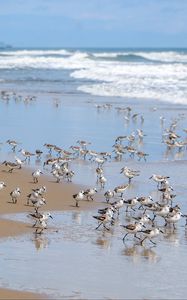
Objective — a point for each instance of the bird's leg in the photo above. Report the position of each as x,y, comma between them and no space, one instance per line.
125,237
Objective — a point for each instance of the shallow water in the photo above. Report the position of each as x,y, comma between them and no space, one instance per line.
72,259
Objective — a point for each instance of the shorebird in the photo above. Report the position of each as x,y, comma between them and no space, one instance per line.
130,174
12,166
105,218
109,195
158,178
69,175
132,229
19,162
117,205
38,202
141,155
2,185
13,144
150,233
121,189
83,144
38,153
102,180
36,174
99,172
145,201
50,147
89,193
50,161
130,203
145,218
40,190
15,194
162,211
79,196
173,218
57,175
26,154
40,217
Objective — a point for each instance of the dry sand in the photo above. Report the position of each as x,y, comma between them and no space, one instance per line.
58,197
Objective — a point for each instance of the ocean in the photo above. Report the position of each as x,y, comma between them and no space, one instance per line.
158,74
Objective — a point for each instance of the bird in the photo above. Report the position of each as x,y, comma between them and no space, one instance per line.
108,195
37,216
130,174
105,218
13,144
89,193
158,178
117,205
38,153
36,174
173,218
11,165
26,154
150,233
15,194
19,162
130,203
2,185
79,196
38,202
121,189
102,180
132,229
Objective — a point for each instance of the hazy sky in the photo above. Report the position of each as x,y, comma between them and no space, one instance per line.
94,23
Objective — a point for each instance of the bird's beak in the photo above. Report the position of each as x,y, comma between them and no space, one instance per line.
51,217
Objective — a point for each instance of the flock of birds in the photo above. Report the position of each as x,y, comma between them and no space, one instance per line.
143,225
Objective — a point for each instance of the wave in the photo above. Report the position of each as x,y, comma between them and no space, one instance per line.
147,57
127,58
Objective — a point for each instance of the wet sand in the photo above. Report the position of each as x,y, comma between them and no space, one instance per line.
101,130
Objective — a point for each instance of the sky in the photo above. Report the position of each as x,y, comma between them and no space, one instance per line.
93,23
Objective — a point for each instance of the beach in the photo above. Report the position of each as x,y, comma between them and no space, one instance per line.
71,259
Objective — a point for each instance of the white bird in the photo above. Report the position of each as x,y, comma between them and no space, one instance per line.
102,180
132,229
151,233
2,185
36,175
37,203
79,196
109,195
15,194
89,193
40,217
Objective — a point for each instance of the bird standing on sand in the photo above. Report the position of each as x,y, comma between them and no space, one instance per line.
36,175
2,185
89,193
15,194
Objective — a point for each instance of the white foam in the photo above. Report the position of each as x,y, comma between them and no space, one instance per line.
164,81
